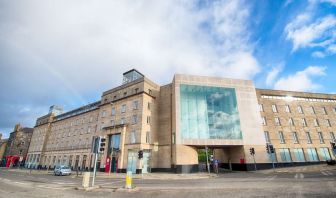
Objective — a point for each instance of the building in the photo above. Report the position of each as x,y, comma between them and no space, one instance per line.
175,123
299,125
3,144
17,146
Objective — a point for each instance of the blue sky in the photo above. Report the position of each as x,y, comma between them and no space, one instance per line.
69,52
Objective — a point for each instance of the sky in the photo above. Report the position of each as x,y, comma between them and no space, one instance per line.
67,52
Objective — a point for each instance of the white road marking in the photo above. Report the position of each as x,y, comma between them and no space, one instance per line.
301,176
324,173
296,176
330,173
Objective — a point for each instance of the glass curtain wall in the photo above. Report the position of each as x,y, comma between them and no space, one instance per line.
299,155
209,113
325,153
312,154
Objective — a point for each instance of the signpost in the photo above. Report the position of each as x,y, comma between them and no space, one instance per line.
97,147
206,153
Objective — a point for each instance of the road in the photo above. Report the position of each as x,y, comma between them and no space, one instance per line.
298,182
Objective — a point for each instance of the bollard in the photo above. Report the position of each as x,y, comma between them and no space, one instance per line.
128,180
86,180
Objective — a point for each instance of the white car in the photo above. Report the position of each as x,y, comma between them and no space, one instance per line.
62,170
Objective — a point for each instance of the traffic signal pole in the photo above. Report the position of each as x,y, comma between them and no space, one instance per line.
94,170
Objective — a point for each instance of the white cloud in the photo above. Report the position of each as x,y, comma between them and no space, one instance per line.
301,80
304,35
273,74
318,54
71,51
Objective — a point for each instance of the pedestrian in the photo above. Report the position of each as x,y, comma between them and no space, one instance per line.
216,166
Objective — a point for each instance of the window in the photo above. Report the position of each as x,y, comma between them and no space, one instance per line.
277,121
103,114
134,119
281,136
149,91
267,138
285,155
299,156
148,106
291,121
148,119
122,121
263,121
328,123
136,90
123,108
287,109
113,112
274,109
332,136
312,110
135,105
132,137
300,110
321,137
316,123
295,137
325,153
261,107
324,110
312,154
125,94
303,121
147,137
308,138
173,138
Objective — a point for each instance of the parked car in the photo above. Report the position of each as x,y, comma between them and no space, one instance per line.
62,170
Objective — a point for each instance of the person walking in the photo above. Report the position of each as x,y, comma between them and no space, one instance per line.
216,165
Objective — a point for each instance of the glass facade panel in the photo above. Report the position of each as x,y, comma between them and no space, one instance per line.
285,155
299,156
209,113
312,154
325,153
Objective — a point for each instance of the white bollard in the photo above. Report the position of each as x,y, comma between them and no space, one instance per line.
86,180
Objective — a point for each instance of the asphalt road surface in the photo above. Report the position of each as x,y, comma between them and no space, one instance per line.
299,182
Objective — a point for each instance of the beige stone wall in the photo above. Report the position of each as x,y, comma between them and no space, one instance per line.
307,100
145,93
164,135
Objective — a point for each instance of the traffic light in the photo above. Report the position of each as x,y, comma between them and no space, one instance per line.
102,144
271,148
140,154
333,145
252,152
267,148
